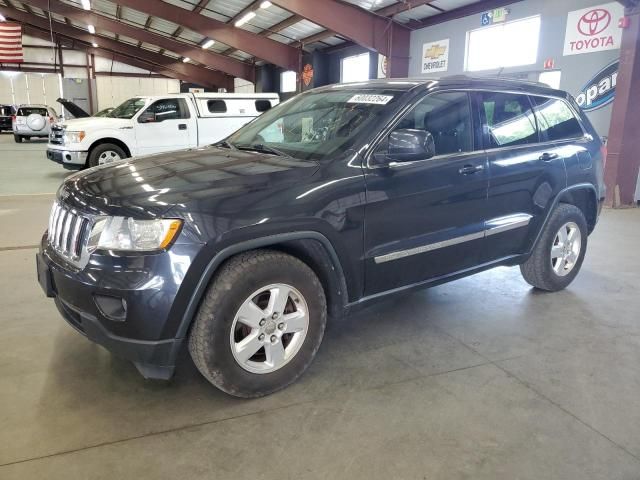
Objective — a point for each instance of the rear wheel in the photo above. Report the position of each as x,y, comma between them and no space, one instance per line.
559,253
104,154
260,324
17,138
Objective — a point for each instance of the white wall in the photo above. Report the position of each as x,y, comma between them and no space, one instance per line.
113,90
243,86
19,88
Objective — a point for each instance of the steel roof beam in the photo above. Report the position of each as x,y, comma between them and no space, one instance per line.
260,47
216,61
202,76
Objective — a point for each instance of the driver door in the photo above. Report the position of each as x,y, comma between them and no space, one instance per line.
425,218
164,126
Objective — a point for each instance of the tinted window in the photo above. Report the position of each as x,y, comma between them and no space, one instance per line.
447,116
169,109
217,106
556,121
6,110
26,111
509,118
263,105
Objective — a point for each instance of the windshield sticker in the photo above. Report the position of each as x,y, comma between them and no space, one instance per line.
368,98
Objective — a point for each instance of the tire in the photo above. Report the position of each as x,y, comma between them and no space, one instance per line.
211,343
546,272
17,138
108,152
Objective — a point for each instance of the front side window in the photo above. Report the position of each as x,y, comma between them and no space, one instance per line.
509,119
556,120
447,117
166,109
319,125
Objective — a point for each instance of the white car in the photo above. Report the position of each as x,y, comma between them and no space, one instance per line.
153,124
33,121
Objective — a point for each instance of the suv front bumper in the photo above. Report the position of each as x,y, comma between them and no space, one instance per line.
71,160
143,331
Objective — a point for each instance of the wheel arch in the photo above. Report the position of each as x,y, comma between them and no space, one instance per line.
313,248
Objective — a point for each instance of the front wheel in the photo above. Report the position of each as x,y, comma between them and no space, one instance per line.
104,154
559,253
260,323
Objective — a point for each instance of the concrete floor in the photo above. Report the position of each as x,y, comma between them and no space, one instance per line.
483,378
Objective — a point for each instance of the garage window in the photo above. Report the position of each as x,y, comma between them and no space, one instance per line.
507,44
355,68
217,106
288,81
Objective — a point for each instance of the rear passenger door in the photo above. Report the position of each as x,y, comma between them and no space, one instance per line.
526,172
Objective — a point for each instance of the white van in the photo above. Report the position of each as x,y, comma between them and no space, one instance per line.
153,124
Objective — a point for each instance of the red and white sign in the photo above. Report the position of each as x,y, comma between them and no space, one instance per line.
593,29
11,43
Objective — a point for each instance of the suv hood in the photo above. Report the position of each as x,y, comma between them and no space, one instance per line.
89,123
74,109
151,185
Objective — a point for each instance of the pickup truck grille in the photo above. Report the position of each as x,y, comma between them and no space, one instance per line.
68,232
55,138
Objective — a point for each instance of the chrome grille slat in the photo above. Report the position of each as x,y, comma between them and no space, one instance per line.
68,233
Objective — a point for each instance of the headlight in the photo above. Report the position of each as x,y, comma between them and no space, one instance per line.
127,234
73,137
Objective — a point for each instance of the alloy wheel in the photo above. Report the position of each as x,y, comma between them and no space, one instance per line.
565,250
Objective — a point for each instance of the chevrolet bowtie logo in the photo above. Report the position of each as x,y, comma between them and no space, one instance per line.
434,52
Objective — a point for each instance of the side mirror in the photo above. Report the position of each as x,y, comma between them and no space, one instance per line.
407,145
147,117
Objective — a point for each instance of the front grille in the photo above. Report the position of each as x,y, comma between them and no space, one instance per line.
68,232
55,137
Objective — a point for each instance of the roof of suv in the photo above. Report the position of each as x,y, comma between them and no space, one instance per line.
458,81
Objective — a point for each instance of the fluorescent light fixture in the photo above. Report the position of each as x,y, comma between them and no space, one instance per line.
2,18
245,18
91,29
86,4
94,45
186,59
208,43
266,4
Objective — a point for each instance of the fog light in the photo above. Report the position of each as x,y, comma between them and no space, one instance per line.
113,308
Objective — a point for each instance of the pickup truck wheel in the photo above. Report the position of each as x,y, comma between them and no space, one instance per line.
105,153
260,324
17,138
559,253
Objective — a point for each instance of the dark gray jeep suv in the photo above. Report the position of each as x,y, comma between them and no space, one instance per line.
341,196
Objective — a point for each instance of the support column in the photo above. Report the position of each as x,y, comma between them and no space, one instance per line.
623,159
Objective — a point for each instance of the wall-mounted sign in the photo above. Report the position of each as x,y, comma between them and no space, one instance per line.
435,56
307,74
497,15
600,90
382,66
196,90
593,29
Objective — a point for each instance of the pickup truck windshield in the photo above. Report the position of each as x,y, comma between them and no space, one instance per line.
320,125
127,109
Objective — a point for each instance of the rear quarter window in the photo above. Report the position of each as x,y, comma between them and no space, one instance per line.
556,120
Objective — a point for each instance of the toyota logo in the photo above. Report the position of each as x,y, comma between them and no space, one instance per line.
594,22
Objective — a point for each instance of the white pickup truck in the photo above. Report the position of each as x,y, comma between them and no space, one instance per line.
153,124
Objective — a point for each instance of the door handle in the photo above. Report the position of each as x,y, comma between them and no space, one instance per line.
470,169
182,126
547,157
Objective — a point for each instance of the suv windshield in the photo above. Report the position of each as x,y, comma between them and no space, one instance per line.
26,111
127,109
318,125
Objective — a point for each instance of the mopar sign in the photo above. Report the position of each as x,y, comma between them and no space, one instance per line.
600,90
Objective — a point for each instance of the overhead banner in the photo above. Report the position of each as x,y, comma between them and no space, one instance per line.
435,56
600,90
593,29
11,43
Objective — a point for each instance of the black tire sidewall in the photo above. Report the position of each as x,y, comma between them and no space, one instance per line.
229,375
568,213
97,151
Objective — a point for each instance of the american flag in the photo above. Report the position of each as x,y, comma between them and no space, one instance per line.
11,43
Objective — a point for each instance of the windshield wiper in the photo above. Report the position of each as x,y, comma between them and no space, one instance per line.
225,144
262,148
